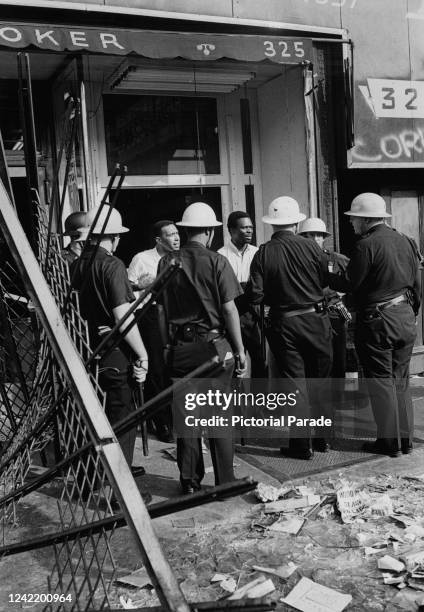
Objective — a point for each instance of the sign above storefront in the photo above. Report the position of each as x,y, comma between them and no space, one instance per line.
157,44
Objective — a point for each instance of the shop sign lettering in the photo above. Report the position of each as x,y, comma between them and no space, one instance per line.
284,49
51,39
158,44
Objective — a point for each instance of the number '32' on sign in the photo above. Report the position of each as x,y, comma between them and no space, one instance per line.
395,98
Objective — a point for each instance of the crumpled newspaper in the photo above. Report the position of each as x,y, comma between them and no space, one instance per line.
354,503
267,493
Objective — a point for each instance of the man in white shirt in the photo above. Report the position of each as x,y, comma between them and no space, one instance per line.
239,252
142,272
143,268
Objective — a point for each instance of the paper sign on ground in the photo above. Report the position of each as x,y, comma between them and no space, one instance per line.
309,596
351,502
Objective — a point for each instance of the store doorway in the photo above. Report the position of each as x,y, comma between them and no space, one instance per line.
141,208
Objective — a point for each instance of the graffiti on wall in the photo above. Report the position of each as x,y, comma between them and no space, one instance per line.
393,147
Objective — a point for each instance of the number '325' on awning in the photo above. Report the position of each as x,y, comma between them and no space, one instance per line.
156,44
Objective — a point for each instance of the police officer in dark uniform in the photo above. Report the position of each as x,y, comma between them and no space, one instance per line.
315,228
288,273
384,279
105,297
197,309
73,224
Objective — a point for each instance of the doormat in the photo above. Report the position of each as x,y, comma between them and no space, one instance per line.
265,455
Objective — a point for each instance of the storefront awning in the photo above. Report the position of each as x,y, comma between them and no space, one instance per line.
157,44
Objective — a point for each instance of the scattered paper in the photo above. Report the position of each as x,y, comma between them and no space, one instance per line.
383,506
369,550
413,557
139,578
127,604
291,525
267,493
390,579
283,571
390,563
304,490
242,591
229,585
287,505
261,590
309,596
416,530
219,577
351,501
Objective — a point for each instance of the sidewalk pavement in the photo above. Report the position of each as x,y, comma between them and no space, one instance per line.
161,480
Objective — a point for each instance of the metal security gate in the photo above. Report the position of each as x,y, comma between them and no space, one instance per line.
49,400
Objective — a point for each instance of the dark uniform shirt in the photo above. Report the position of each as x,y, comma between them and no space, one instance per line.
383,266
198,290
287,272
106,287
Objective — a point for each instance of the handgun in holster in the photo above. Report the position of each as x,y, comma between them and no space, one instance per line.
341,311
412,300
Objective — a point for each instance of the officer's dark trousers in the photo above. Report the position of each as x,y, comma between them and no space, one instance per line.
114,380
186,357
251,337
339,327
156,380
384,345
302,349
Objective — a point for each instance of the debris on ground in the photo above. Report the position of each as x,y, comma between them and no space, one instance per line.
139,578
374,560
351,501
184,523
284,571
389,563
254,589
290,525
309,596
287,505
268,493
